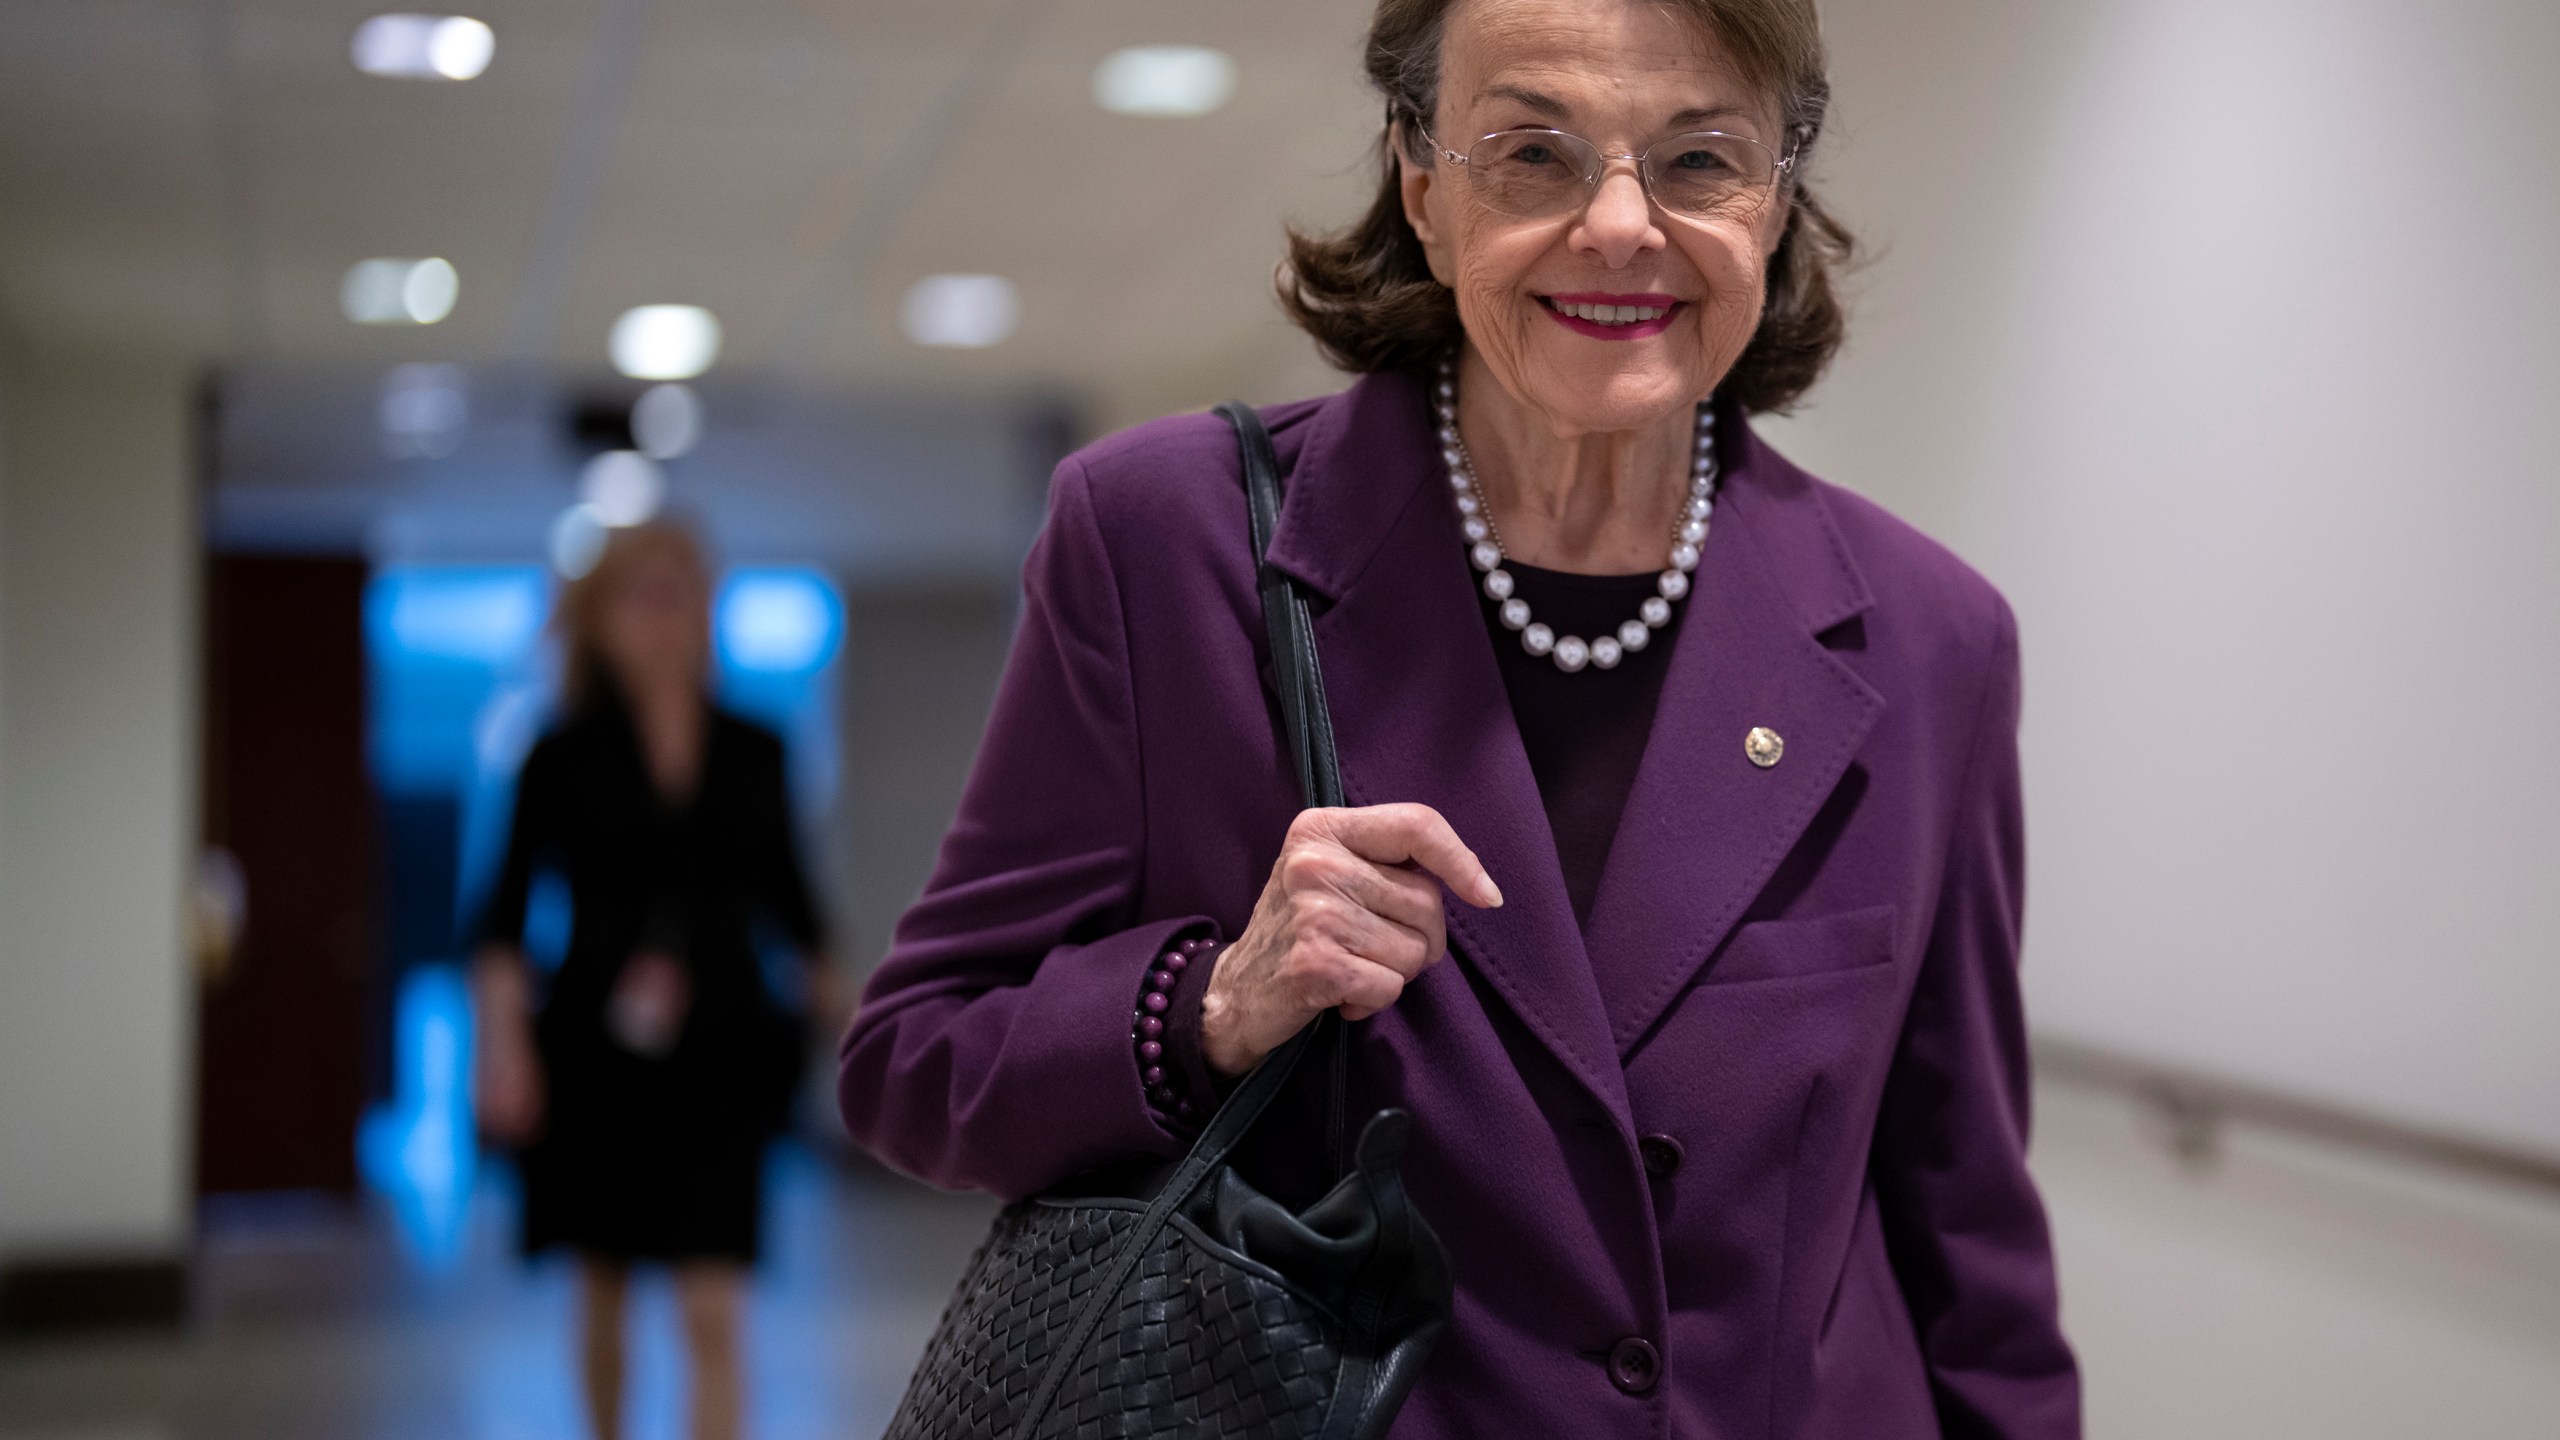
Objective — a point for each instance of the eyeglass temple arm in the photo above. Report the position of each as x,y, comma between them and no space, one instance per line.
1424,131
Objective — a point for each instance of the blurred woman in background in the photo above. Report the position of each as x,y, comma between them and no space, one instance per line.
641,1084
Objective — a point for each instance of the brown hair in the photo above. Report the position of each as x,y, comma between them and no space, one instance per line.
1366,293
586,672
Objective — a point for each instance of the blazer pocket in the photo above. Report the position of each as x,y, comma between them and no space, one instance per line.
1777,949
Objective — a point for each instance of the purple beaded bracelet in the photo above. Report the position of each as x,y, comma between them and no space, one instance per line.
1154,999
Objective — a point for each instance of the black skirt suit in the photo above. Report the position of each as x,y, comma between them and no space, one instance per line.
641,1156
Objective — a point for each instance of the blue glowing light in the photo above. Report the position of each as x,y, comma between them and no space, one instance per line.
486,615
442,640
418,1150
550,917
778,620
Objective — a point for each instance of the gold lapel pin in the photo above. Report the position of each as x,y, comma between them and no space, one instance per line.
1764,746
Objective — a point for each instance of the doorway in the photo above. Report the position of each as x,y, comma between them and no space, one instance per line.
286,993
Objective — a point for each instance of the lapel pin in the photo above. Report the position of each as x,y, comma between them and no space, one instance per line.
1763,746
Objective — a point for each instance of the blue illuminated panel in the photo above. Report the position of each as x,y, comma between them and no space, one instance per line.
778,621
442,641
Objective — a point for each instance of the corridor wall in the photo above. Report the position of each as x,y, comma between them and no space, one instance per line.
98,602
2221,334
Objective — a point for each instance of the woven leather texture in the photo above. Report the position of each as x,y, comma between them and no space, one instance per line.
1195,1345
1177,1334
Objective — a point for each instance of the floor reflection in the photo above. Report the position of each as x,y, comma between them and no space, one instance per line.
317,1319
2288,1293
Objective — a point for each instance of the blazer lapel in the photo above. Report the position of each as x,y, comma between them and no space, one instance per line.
1419,708
1705,827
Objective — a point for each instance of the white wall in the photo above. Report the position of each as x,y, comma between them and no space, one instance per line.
2221,334
919,672
98,646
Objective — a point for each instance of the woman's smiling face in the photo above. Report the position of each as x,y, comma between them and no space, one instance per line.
1683,294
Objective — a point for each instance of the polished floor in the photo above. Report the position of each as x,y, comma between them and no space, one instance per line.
315,1321
2282,1292
2291,1290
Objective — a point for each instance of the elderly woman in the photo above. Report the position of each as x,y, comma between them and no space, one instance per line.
1720,1102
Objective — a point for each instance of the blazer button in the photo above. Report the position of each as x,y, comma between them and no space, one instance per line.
1662,1154
1634,1365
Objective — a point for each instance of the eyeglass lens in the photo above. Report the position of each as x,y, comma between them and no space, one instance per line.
1547,172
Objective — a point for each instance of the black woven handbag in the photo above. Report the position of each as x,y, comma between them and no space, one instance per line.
1201,1308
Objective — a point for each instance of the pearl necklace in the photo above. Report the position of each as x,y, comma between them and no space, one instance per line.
1484,545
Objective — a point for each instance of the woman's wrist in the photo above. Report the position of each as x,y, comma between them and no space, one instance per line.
1216,1010
1224,1051
1165,1030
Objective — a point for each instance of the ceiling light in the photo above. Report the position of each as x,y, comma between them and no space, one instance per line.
577,541
622,487
666,421
424,47
423,410
399,292
665,342
962,311
1164,80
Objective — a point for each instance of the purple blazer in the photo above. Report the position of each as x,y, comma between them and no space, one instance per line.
1802,978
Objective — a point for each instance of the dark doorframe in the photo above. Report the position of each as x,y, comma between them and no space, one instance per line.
284,1020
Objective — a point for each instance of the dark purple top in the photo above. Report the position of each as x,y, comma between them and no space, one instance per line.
1762,1117
1584,732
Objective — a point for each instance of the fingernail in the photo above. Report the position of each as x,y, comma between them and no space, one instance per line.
1493,890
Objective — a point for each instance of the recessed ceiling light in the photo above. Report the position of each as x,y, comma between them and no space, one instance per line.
665,342
666,421
399,292
424,47
577,541
1164,80
423,410
622,487
962,311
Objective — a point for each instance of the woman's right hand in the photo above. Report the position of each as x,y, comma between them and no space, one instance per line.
1351,914
506,1090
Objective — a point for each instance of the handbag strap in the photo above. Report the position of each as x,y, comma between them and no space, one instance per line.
1285,614
1309,725
1305,717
